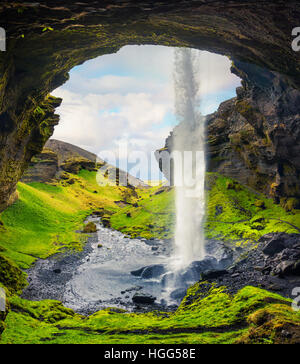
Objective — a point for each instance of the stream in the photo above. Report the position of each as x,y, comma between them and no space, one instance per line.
114,270
100,276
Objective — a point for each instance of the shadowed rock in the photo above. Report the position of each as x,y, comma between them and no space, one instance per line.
143,298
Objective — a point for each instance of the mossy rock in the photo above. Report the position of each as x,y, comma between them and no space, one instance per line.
233,185
106,220
11,276
89,228
74,165
260,204
290,204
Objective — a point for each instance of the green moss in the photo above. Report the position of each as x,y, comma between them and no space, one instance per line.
46,217
215,317
11,276
290,204
90,227
153,217
241,219
260,204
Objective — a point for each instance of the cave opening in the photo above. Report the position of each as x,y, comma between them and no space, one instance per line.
128,98
252,181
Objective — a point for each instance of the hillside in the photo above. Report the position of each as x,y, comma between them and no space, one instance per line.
58,157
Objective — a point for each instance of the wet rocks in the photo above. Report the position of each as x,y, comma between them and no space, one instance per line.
274,246
151,271
178,294
143,298
211,274
193,271
106,221
273,265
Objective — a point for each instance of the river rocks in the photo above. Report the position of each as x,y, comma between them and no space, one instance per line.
273,265
143,298
151,271
224,254
193,271
137,272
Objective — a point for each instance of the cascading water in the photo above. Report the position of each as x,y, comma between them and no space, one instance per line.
189,166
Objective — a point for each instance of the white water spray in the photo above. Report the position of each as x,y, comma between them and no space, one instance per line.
189,172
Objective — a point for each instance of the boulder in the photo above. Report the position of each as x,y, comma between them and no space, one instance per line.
143,298
274,246
90,227
193,271
151,271
138,272
212,274
285,268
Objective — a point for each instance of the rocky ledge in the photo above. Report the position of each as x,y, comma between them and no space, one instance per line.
273,265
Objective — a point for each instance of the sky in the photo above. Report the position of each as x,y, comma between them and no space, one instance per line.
127,98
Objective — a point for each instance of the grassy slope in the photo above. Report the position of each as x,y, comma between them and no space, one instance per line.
216,318
154,216
241,220
45,219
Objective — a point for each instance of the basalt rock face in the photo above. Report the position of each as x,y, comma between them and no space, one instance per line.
255,137
47,39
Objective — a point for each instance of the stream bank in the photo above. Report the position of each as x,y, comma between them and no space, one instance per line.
99,276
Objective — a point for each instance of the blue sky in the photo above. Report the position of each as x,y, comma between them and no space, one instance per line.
129,96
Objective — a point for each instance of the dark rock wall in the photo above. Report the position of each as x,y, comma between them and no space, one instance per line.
46,39
255,137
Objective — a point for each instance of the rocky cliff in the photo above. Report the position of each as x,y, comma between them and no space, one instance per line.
255,137
47,39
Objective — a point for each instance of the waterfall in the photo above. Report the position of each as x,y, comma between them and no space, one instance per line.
189,162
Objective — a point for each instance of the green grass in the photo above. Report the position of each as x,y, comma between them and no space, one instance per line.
45,218
216,318
238,204
154,216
